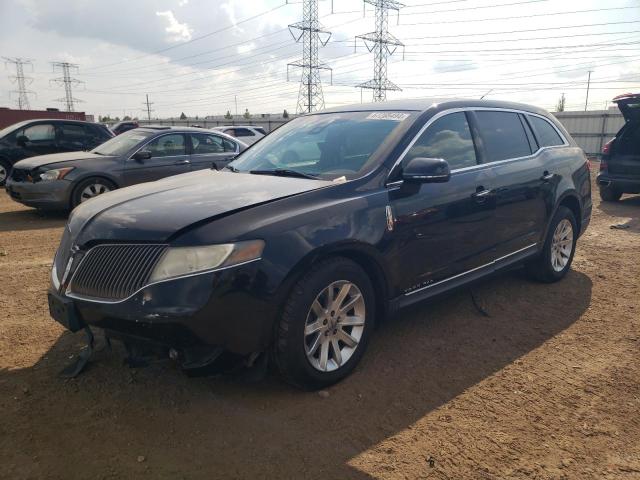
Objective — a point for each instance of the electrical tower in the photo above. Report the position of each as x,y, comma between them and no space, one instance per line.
21,81
148,108
383,44
67,81
312,36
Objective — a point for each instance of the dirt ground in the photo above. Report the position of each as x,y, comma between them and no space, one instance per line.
547,387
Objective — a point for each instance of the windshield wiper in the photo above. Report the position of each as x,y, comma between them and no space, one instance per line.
283,172
232,168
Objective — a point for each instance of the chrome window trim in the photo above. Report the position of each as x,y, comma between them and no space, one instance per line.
479,165
153,139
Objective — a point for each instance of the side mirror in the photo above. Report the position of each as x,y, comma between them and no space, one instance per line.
142,155
426,170
22,140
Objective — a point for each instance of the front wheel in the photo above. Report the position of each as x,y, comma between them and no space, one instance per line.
559,247
325,324
90,188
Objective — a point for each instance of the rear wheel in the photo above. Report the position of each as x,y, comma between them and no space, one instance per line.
609,193
325,324
5,168
557,253
90,188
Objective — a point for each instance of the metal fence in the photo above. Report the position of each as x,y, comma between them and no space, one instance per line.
267,124
592,129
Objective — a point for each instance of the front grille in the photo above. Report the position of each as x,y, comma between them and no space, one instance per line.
114,272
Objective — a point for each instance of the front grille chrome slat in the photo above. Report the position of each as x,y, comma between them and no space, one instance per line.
115,271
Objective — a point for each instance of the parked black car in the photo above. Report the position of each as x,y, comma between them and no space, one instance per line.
620,163
40,137
125,126
63,181
316,232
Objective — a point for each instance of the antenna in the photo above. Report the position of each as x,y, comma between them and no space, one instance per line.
67,81
310,33
383,44
21,81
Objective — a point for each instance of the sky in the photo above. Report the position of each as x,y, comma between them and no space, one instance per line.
199,56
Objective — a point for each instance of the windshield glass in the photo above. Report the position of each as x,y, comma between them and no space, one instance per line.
121,144
327,146
7,130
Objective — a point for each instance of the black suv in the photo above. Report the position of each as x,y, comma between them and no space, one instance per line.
620,163
41,137
316,232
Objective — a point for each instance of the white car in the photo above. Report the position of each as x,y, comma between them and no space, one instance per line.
247,133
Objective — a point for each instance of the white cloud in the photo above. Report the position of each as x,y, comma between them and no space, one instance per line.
246,48
178,31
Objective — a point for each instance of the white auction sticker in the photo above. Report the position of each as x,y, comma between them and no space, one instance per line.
398,117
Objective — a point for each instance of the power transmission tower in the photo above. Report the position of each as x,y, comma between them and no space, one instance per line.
148,109
383,44
67,81
21,81
310,33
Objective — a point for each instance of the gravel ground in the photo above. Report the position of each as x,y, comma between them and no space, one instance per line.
547,386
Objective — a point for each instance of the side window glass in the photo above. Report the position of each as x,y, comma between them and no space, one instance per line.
74,132
229,146
527,128
38,133
448,138
243,132
206,144
503,135
545,133
167,146
260,130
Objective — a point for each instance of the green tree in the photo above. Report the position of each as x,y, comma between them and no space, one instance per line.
183,116
228,115
285,114
126,117
246,115
561,104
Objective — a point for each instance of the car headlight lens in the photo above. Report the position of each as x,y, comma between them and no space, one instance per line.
55,174
181,261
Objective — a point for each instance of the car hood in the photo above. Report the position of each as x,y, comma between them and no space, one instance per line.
42,160
158,211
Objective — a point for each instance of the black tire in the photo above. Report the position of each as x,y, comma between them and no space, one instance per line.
290,341
76,196
541,268
5,167
609,194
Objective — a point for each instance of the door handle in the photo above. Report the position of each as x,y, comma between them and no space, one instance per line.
182,162
481,193
547,176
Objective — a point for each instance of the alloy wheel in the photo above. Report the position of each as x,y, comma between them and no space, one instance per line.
3,173
93,190
561,245
334,326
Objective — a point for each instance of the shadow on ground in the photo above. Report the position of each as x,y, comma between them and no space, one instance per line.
31,219
629,208
97,425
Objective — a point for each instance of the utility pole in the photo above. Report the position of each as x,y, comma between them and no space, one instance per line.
67,81
309,32
235,97
21,81
383,44
586,102
148,105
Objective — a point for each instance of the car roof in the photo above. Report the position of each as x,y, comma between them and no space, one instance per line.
437,104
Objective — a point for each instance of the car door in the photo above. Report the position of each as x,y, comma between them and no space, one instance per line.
443,229
524,178
168,157
210,150
38,139
71,137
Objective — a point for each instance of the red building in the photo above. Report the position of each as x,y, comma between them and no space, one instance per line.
9,116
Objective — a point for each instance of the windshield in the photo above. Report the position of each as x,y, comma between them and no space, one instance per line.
7,130
327,146
121,144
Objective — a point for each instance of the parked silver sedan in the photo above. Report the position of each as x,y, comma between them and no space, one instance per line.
249,134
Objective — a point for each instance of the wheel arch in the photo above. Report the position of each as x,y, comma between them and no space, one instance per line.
79,180
570,200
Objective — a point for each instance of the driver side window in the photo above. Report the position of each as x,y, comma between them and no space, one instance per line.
448,138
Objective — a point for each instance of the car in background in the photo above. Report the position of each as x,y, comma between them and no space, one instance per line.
309,238
620,162
63,181
40,137
125,126
247,133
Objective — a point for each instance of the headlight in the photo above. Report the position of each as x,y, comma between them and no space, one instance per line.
181,261
55,174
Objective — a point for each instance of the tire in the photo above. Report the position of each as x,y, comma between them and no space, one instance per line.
295,357
555,259
5,168
609,194
101,185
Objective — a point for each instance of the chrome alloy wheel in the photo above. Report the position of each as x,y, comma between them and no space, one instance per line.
334,326
93,190
561,245
3,173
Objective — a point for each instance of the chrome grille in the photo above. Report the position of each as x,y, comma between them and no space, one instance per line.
114,272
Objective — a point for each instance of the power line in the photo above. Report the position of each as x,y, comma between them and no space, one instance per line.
67,82
21,81
383,44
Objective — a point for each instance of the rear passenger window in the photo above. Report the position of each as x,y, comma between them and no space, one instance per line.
547,135
503,135
448,138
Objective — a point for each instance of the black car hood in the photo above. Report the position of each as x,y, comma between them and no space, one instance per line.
156,211
42,160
